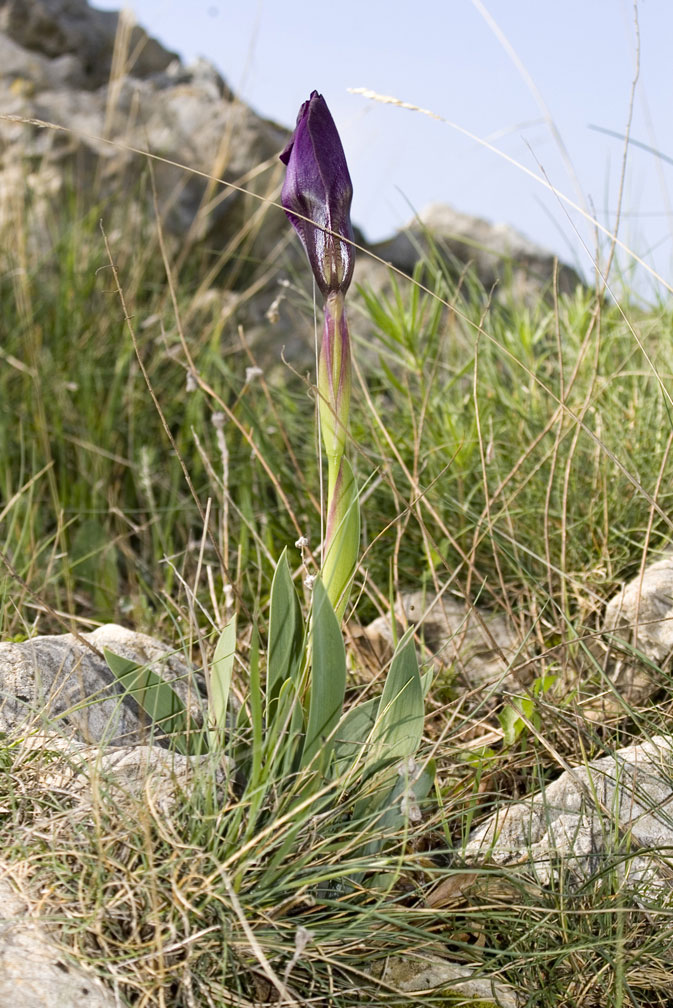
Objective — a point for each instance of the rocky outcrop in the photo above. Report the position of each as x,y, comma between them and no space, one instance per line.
112,93
76,42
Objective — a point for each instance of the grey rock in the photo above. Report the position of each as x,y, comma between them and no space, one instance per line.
34,971
496,252
642,612
31,72
616,811
57,66
58,28
126,773
59,681
478,643
637,625
430,973
183,117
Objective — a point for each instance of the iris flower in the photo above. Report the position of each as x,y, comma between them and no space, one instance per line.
316,195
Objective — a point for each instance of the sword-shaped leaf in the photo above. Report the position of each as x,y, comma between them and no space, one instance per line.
160,702
328,678
399,723
220,682
286,632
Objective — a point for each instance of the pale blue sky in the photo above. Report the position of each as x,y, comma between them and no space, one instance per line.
569,63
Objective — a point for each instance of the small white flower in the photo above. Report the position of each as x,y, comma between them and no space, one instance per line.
309,581
410,807
191,384
409,768
302,937
302,542
272,313
251,373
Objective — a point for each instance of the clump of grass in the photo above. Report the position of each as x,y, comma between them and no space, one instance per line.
95,521
532,444
187,900
192,901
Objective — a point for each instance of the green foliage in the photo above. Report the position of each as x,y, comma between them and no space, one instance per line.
342,546
159,700
328,679
219,683
286,636
530,440
520,456
307,743
93,505
521,711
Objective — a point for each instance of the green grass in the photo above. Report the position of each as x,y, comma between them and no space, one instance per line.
519,458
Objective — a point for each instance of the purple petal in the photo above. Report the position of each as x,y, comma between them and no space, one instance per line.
317,186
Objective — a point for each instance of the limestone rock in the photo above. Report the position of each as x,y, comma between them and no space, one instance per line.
71,28
59,680
130,771
34,972
496,252
182,116
419,975
637,621
642,612
616,810
478,643
112,91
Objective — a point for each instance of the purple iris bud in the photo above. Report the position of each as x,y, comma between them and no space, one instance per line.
318,187
317,195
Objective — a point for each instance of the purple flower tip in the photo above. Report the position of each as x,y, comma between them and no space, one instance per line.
318,187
